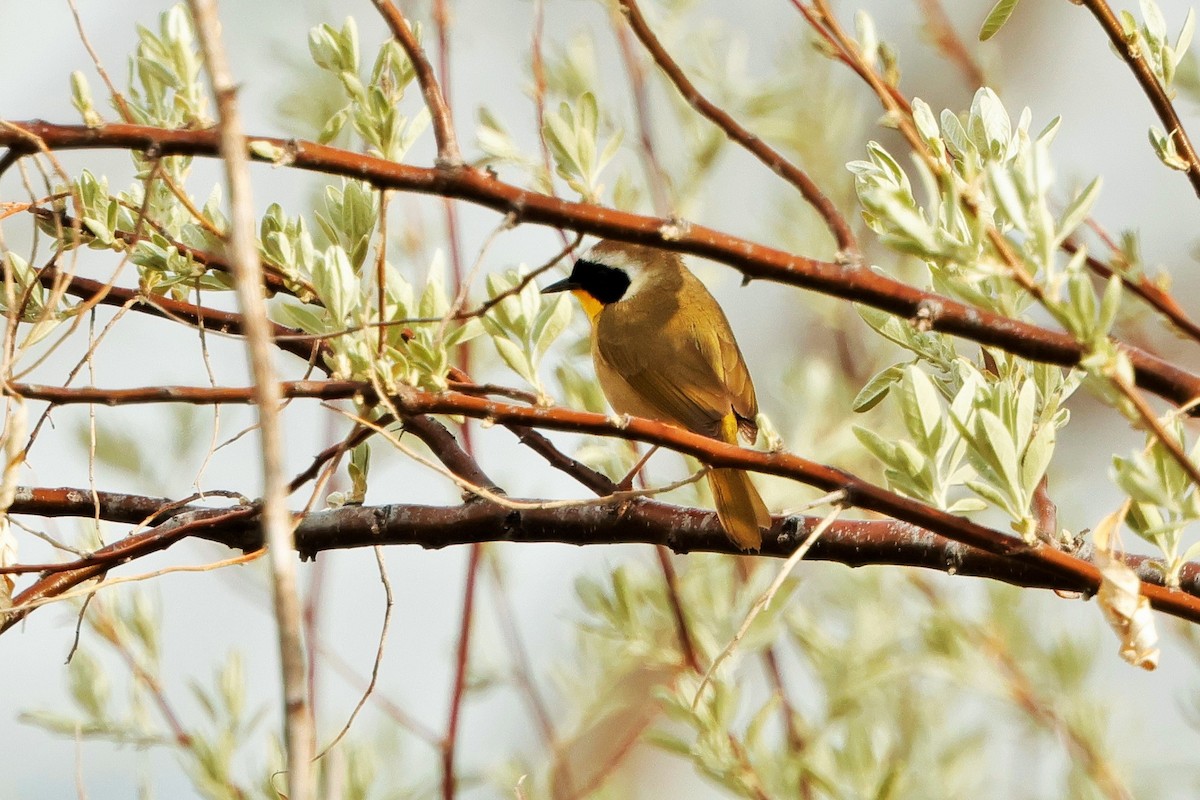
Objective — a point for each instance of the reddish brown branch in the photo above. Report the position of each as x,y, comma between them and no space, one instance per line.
852,542
1154,91
858,284
769,156
132,547
439,111
286,339
858,493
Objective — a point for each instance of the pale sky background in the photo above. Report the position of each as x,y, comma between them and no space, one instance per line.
1053,59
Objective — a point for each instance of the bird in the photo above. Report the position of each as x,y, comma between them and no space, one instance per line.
663,349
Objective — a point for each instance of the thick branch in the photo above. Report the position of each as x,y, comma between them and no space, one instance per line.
858,284
852,542
858,493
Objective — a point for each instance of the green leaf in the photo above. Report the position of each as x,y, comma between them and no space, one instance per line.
882,449
989,493
310,319
994,442
1037,456
966,505
920,407
996,18
1077,211
515,357
877,388
551,322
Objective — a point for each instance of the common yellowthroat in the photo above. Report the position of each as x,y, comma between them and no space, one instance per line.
663,349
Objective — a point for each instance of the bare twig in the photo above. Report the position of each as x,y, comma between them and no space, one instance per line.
854,542
773,159
383,632
299,734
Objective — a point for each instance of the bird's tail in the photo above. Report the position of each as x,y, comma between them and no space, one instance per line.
740,507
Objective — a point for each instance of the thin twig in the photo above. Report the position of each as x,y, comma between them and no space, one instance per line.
765,599
773,159
383,632
950,44
686,646
1133,54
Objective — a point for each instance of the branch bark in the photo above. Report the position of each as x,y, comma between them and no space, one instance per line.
411,402
858,284
852,542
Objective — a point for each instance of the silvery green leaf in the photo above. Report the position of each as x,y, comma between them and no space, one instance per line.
996,18
1164,148
98,229
1007,196
991,127
928,403
333,126
882,449
335,282
909,459
42,327
310,319
416,126
1185,37
966,505
531,302
81,98
868,39
1082,300
925,121
1047,134
434,302
464,333
610,150
322,47
955,134
1077,211
1156,26
1138,481
885,160
552,321
994,442
515,357
1037,456
1025,412
990,494
1110,303
348,45
877,388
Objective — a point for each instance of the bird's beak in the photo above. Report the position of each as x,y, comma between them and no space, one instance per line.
565,285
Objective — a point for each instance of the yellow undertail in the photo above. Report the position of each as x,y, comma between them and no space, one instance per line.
740,508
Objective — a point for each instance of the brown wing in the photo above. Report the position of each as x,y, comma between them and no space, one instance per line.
691,375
